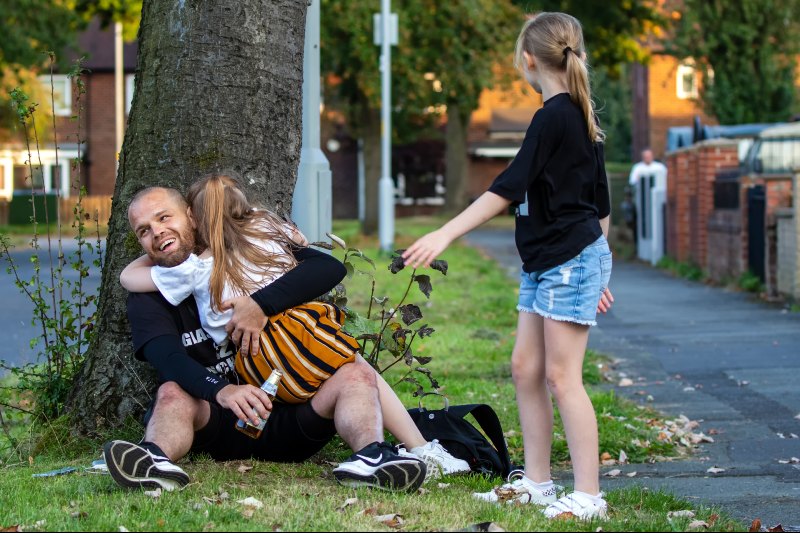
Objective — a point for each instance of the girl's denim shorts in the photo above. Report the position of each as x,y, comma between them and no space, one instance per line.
569,292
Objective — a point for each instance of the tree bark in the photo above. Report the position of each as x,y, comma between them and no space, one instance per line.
457,168
218,87
371,125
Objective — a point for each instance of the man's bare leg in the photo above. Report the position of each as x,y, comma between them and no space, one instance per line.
176,416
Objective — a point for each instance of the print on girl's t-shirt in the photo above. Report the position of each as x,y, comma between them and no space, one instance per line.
522,209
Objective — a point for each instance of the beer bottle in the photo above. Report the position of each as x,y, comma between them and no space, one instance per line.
270,386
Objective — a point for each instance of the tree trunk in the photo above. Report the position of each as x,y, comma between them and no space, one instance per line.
371,125
218,86
457,169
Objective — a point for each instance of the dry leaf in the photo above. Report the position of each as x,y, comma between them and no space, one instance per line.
777,529
248,512
625,382
483,526
613,473
755,525
155,494
713,520
680,514
393,520
715,470
79,515
605,456
443,485
370,511
244,469
631,474
347,503
210,526
15,527
609,462
123,529
251,502
697,524
623,457
422,491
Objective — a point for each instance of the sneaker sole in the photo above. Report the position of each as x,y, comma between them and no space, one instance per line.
121,455
395,476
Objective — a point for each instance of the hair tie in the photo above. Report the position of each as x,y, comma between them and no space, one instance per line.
565,51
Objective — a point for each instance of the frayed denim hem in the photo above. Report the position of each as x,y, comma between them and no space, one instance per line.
560,318
523,309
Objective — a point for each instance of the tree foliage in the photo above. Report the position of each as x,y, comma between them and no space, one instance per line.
750,46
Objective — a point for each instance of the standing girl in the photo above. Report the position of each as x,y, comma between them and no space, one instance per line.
246,249
558,184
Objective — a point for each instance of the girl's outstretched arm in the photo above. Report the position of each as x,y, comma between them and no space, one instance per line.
136,276
428,247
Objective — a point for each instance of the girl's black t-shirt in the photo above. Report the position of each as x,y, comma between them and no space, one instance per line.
559,185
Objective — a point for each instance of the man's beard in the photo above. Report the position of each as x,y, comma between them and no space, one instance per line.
186,246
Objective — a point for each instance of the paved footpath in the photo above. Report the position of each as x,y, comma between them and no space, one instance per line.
714,355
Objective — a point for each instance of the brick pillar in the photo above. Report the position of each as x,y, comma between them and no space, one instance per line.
796,205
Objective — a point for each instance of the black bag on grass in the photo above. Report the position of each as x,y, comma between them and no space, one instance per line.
463,440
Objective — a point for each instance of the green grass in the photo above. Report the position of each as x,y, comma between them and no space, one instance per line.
473,311
750,282
688,271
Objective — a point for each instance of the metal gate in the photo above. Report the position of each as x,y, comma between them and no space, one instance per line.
756,227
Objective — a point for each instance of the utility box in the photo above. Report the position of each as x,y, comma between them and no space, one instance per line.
650,198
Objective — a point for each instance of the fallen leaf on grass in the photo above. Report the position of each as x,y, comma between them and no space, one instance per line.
422,491
631,474
393,520
623,457
443,485
79,515
613,473
123,529
347,503
251,502
15,527
715,470
755,525
155,494
793,460
680,514
713,520
698,524
369,511
209,526
776,529
625,382
243,469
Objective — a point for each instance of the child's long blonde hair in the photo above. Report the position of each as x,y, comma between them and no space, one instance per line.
229,225
556,40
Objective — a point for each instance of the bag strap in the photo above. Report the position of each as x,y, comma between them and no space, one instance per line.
490,424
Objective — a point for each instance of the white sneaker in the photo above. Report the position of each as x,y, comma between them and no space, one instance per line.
578,505
520,491
133,466
439,461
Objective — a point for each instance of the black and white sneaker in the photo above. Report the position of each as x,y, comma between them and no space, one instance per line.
380,466
133,466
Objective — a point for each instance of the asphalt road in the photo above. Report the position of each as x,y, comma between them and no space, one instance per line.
16,314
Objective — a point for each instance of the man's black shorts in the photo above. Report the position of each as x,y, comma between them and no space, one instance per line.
293,434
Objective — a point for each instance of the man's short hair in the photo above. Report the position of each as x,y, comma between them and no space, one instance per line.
173,194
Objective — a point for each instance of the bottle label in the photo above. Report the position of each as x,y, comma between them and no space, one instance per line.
270,388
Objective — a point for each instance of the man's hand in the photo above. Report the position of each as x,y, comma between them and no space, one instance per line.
247,323
246,401
606,299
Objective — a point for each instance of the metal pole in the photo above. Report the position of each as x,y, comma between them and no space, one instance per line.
119,84
386,185
312,203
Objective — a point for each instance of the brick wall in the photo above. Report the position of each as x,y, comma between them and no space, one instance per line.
726,258
690,197
100,135
665,108
786,251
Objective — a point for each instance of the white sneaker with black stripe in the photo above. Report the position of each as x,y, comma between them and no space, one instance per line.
379,466
133,466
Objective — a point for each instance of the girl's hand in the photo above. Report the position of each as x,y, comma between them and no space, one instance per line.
426,249
606,299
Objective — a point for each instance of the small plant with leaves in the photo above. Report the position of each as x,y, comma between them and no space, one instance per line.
387,331
63,308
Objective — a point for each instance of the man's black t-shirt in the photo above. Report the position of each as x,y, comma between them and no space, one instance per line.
558,183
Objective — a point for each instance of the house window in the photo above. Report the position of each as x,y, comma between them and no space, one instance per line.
62,93
687,82
22,178
130,84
